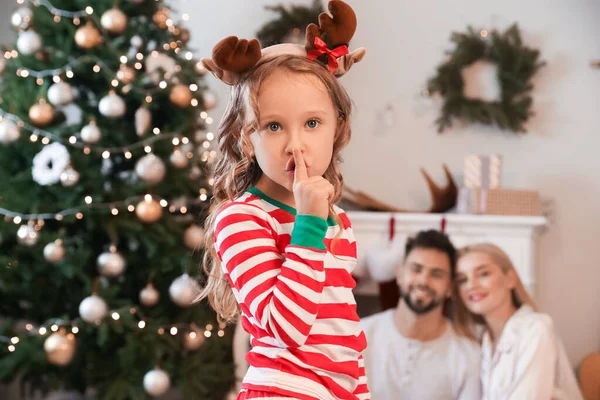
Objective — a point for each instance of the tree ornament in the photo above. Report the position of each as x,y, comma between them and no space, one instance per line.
148,210
184,290
60,94
193,237
111,263
112,105
150,169
60,348
50,163
41,114
143,121
156,382
160,17
21,18
149,296
27,235
181,95
91,133
209,100
178,159
160,66
54,252
93,309
194,339
29,43
88,36
114,21
9,131
69,177
126,74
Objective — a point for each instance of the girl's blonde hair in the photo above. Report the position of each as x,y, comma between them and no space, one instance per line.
464,320
237,170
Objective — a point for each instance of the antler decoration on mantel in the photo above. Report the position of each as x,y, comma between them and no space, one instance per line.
327,43
443,198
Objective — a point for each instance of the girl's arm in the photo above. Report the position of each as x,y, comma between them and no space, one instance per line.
280,293
362,391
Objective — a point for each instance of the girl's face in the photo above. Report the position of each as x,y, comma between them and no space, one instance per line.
482,284
296,111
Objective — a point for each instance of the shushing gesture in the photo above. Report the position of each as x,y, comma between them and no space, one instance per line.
311,194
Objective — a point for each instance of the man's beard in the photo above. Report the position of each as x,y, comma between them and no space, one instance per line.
419,307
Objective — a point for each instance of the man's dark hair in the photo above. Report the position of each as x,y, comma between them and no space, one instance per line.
436,240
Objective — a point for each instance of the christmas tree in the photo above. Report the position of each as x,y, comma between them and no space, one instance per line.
105,153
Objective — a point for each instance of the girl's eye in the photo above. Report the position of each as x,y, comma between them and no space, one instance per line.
273,126
313,123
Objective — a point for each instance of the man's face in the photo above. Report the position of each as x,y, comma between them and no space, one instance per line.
424,280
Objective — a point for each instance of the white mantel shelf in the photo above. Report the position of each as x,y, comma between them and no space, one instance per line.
514,234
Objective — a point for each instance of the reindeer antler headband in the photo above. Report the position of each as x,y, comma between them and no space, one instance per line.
326,43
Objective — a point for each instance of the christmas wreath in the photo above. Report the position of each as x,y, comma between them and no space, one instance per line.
516,64
289,27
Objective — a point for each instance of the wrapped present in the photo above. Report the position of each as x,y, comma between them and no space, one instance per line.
500,202
482,171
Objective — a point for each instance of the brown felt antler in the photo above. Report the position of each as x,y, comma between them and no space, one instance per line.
334,30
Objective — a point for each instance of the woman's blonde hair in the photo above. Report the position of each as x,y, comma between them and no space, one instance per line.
237,170
464,320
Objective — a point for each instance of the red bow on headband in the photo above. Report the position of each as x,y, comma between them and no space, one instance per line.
332,55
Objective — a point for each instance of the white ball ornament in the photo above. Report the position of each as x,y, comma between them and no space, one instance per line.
184,290
21,18
91,133
114,21
150,169
69,177
178,159
9,131
93,309
54,252
112,106
27,235
111,263
29,43
156,382
60,94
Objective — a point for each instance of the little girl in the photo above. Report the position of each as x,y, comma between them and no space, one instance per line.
283,252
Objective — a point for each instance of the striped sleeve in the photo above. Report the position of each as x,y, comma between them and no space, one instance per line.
362,391
279,293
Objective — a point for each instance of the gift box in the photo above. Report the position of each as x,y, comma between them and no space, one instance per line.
500,202
482,171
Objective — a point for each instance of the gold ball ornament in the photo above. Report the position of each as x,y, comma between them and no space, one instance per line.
27,235
126,74
148,210
193,237
69,177
194,339
41,114
114,21
160,17
150,169
181,95
60,348
88,36
184,35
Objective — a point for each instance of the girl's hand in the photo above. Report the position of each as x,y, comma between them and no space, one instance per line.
312,194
